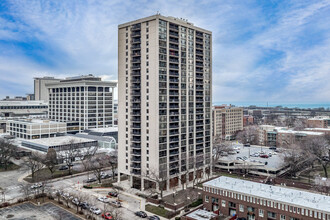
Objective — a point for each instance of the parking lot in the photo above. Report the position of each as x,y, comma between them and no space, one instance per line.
29,211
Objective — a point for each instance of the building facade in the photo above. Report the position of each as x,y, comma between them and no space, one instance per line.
281,136
227,121
23,108
83,102
165,93
35,129
40,89
252,200
318,122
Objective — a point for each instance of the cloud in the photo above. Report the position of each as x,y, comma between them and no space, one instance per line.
272,50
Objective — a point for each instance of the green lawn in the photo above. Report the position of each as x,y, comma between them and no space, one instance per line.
11,166
158,210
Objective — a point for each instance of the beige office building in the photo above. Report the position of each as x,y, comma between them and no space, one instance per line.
82,102
40,89
164,109
35,128
227,121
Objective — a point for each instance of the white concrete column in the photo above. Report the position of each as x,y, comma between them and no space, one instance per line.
142,184
118,178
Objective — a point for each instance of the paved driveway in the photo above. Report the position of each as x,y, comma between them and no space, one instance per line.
29,211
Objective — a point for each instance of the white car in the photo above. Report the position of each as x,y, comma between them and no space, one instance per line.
75,201
36,185
104,199
95,210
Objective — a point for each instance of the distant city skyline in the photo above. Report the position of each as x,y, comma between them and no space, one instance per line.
273,50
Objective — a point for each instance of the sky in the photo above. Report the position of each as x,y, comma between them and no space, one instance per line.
276,51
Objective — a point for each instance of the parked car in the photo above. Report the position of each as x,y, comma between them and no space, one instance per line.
264,156
105,176
239,158
141,214
272,148
84,205
154,217
113,194
75,201
90,180
106,215
63,168
36,186
115,204
247,145
104,199
95,210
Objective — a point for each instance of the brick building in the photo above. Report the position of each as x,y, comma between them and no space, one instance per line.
252,200
318,122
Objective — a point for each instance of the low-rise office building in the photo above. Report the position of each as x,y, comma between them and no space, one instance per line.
227,121
23,108
62,143
35,128
252,200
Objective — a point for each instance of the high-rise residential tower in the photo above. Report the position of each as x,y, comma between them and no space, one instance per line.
164,93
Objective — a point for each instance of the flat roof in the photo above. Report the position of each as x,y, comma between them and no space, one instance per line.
182,22
35,121
201,214
19,103
284,195
103,130
317,129
56,141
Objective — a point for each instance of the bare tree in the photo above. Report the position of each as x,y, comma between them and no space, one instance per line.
26,190
220,148
68,154
113,162
294,158
159,178
318,148
249,135
7,152
98,163
34,163
116,213
50,161
80,197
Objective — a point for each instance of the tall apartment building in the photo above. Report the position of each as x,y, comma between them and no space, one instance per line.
83,102
40,90
164,109
227,121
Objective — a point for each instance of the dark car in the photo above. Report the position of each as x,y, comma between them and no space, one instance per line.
113,194
84,205
246,145
272,148
63,168
154,217
141,214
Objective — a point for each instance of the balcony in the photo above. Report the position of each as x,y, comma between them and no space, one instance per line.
136,41
138,60
174,33
136,27
198,40
136,33
174,46
174,27
174,40
174,60
173,53
136,67
136,53
174,73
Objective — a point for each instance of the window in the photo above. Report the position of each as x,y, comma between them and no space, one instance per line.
223,203
206,198
282,217
261,213
241,208
272,215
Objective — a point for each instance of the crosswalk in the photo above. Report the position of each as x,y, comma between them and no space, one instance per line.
13,187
